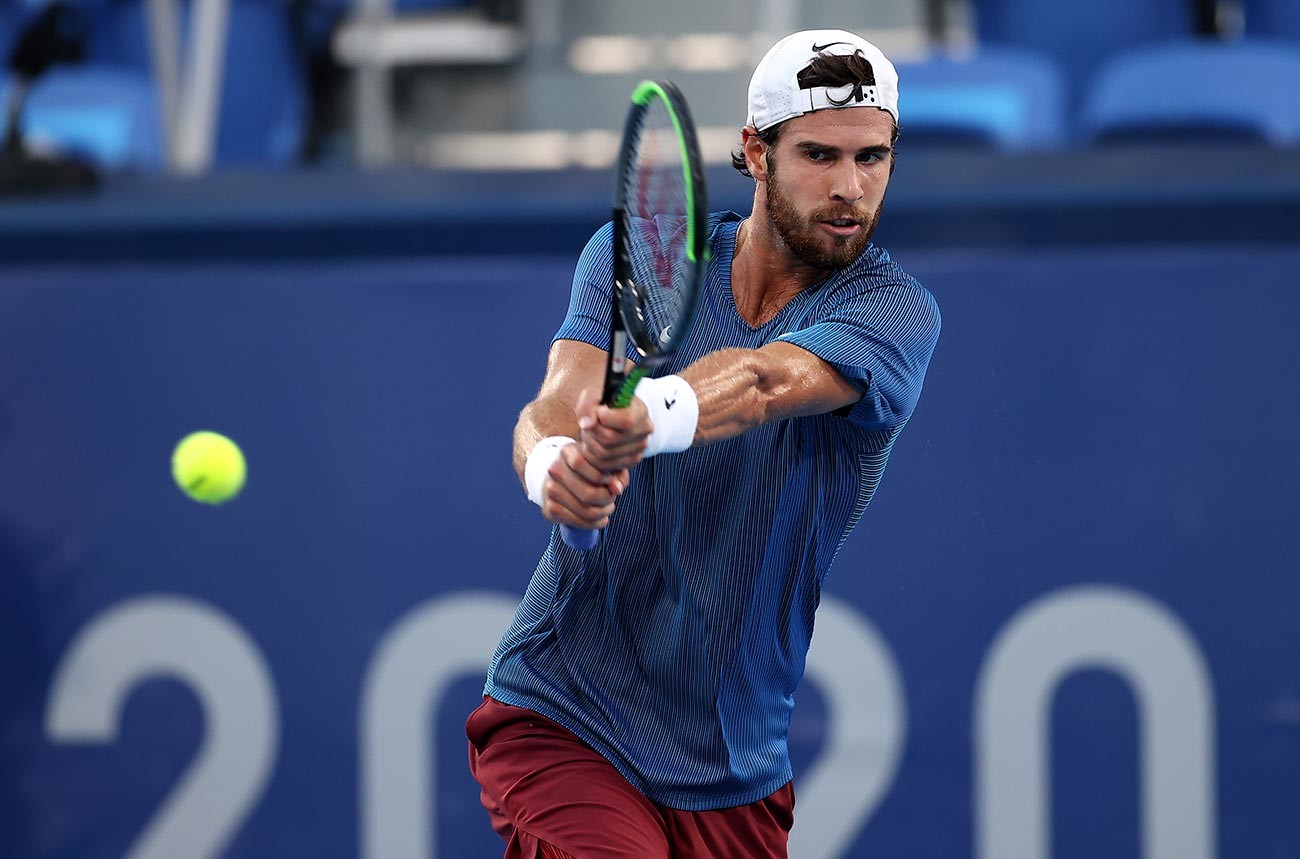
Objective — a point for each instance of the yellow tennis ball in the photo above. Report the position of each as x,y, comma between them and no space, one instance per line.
208,467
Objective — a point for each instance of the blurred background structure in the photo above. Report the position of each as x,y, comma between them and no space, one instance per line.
343,231
195,85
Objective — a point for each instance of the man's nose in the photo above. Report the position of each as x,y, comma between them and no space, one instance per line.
847,185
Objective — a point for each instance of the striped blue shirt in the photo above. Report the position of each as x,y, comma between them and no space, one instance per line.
675,646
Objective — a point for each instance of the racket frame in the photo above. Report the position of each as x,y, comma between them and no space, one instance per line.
625,323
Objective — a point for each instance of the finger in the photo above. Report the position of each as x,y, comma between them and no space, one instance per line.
624,444
560,515
586,480
628,447
634,414
610,462
610,440
621,421
581,505
607,458
577,515
573,458
587,405
618,482
618,436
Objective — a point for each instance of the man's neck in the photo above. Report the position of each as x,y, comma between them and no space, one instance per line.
765,275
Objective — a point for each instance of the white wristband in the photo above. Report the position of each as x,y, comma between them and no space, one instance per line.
674,411
539,462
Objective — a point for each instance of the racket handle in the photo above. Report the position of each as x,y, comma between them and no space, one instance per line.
579,539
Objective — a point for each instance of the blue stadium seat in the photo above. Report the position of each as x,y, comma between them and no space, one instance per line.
1004,98
105,115
1273,19
1078,36
1245,90
263,110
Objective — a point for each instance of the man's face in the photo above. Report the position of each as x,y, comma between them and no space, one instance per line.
826,180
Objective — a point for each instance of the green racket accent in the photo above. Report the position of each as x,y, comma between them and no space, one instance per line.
623,398
642,95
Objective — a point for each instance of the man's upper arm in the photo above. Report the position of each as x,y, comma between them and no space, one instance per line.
571,366
880,339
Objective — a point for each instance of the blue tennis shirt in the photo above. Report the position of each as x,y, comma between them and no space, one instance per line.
675,646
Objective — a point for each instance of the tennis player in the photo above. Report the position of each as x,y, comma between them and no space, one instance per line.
639,704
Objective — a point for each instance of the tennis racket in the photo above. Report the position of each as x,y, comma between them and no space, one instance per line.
660,211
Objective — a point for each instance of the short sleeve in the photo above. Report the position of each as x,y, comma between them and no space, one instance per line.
880,339
590,302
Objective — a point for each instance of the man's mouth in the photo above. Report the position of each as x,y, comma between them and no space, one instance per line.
841,226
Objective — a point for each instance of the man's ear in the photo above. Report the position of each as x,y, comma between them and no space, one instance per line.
755,151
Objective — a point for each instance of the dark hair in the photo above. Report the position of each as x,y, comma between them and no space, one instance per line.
828,70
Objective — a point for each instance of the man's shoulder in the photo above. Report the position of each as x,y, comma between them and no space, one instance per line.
724,219
880,280
873,269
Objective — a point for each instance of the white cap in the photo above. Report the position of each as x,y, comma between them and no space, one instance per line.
774,91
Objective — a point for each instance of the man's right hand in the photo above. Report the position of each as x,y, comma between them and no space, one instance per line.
612,439
577,493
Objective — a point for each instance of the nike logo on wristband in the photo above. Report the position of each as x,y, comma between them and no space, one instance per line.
668,404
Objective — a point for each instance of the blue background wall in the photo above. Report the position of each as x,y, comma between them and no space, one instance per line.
1109,423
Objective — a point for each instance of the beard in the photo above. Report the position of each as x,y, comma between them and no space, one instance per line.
805,238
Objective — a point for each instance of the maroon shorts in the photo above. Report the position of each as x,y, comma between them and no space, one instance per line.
543,787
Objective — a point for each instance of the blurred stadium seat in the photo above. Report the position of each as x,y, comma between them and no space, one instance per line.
378,38
426,5
1190,90
263,104
1273,18
1002,98
1081,35
107,110
108,116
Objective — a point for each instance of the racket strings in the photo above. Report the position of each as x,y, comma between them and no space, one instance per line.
656,205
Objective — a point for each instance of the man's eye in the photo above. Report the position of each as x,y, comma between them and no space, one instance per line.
815,155
869,157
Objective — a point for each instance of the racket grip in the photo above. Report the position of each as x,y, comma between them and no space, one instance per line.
579,539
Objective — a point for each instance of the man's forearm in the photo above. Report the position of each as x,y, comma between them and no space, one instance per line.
539,419
739,389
